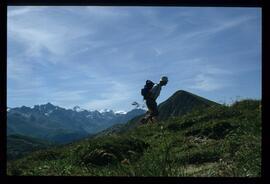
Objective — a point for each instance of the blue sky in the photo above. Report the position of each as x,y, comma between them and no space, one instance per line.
100,57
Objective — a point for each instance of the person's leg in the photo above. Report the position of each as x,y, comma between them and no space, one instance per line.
152,106
155,112
154,119
145,119
147,116
148,119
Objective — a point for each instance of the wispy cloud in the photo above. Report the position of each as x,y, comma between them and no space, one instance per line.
206,83
41,34
100,57
207,76
23,10
16,70
115,94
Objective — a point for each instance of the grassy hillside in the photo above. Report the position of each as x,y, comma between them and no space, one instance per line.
214,141
19,145
179,104
182,102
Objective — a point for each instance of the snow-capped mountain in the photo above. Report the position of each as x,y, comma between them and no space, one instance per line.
120,112
55,123
78,109
105,111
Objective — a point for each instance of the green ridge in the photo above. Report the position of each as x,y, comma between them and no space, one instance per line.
20,145
214,141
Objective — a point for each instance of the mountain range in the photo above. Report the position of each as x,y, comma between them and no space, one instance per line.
179,104
60,125
55,124
193,137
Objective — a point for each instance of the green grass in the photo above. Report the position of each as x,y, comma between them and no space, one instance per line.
19,146
218,141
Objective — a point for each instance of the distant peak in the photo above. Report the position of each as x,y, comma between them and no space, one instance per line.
182,91
105,110
120,112
47,105
25,107
78,108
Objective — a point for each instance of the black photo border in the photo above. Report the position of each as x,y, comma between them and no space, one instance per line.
184,3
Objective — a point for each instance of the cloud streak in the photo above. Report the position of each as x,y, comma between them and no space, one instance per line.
115,94
100,57
42,34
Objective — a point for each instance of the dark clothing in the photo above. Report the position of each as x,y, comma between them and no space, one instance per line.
152,107
151,103
152,110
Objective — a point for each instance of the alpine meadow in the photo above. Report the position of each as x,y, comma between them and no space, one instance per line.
134,91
